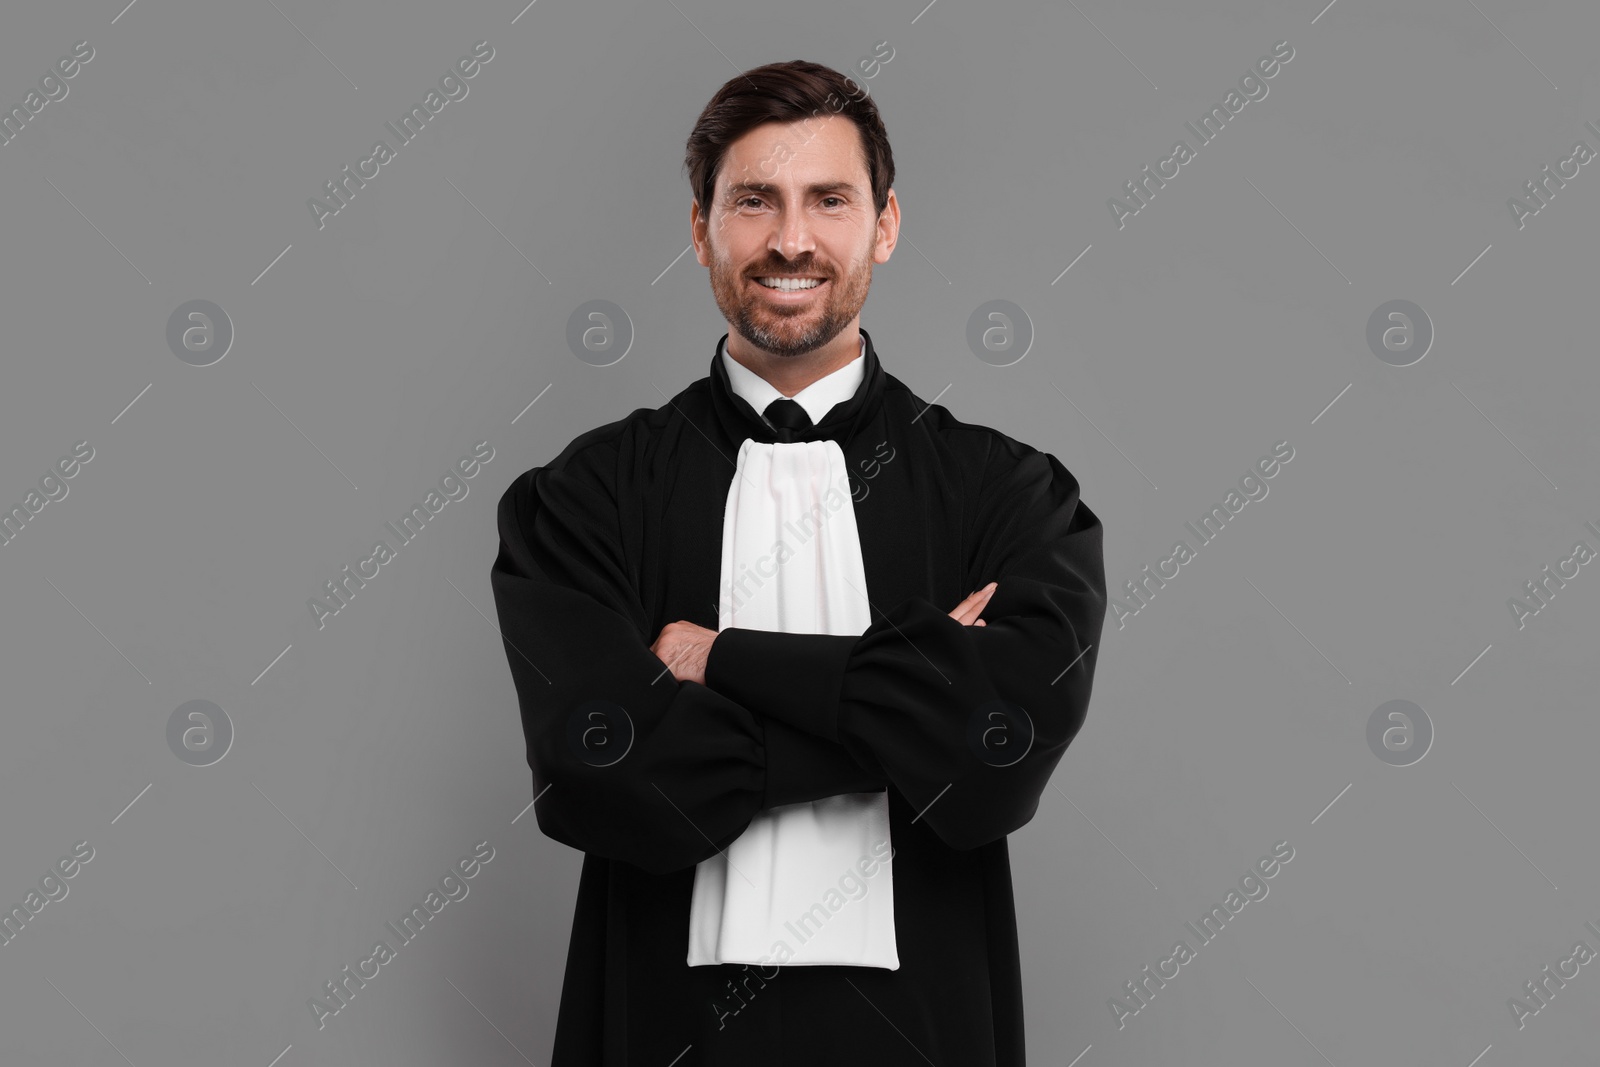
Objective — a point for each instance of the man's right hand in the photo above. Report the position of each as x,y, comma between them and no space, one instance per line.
967,612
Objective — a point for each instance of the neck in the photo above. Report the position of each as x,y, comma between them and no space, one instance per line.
790,374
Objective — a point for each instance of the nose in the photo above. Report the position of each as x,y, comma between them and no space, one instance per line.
792,236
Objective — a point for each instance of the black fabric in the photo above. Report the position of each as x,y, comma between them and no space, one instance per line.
786,416
621,534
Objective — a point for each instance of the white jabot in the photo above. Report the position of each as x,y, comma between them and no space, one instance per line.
806,883
817,398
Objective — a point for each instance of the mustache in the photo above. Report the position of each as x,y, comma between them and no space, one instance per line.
771,269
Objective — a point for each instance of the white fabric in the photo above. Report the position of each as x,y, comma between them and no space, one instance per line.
791,562
817,398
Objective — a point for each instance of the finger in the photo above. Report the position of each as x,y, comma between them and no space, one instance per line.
969,609
974,605
984,595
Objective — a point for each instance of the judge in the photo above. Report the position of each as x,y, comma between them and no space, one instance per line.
790,762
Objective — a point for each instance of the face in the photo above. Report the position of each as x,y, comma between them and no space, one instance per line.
794,201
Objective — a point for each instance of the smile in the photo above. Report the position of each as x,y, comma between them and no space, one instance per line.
788,290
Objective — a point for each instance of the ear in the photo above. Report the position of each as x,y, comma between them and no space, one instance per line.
888,231
699,229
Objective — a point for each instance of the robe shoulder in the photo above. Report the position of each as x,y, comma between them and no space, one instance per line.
593,448
593,459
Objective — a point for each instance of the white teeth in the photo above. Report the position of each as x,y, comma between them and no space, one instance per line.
789,285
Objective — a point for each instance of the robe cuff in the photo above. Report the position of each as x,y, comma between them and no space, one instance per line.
792,677
803,767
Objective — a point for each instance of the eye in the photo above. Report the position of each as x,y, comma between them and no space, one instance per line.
833,198
745,200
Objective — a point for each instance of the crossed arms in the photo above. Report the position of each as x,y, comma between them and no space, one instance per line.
718,727
685,646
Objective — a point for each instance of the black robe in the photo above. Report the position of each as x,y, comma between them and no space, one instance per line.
620,535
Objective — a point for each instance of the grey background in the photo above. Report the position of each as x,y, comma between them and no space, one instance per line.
1226,316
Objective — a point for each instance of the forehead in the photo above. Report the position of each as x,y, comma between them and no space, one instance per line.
824,148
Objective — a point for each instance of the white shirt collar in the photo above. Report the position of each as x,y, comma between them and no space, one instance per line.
817,398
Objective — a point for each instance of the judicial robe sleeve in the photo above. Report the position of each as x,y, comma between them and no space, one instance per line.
698,765
914,695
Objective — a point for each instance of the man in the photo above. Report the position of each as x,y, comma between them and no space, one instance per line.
791,772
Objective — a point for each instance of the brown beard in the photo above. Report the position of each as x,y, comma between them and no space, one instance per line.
776,329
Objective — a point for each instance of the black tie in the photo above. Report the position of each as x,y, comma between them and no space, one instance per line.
787,417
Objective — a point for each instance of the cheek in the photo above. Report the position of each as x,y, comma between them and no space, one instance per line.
737,244
861,264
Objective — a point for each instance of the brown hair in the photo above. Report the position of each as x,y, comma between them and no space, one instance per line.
784,92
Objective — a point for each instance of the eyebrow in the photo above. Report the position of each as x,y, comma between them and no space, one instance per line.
768,189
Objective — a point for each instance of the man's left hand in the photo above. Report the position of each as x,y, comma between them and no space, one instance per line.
684,647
